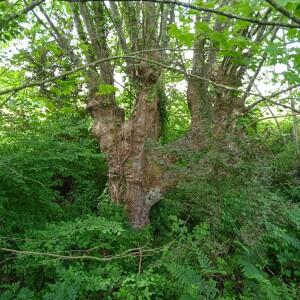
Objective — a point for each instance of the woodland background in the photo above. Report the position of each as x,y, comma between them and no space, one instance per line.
194,191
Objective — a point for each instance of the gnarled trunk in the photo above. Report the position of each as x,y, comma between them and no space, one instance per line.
133,180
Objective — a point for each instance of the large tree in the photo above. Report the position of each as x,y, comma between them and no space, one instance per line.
231,42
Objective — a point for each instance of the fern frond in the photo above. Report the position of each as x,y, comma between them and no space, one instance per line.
185,274
204,263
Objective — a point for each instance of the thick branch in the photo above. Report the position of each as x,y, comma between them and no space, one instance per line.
100,47
132,22
61,40
117,22
208,10
82,36
284,11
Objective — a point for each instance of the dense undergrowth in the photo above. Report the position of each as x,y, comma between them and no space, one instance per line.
228,231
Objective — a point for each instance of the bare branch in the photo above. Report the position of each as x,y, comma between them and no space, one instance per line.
267,99
273,95
127,253
272,117
59,256
269,108
260,65
21,175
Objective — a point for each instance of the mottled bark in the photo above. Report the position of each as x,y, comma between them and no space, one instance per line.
133,178
214,114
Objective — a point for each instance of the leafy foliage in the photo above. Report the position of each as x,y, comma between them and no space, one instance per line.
229,230
202,243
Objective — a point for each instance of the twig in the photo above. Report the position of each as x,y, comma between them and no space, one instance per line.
272,117
21,175
140,260
128,253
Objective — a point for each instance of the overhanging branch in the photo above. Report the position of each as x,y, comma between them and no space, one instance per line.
283,11
132,57
206,9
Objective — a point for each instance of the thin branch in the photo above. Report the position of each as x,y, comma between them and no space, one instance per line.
140,259
7,99
230,88
260,65
273,95
283,11
269,108
5,70
292,87
127,253
253,78
69,257
273,117
21,175
204,9
20,13
278,104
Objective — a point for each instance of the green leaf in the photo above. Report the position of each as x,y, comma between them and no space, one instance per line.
203,27
285,2
183,35
174,31
106,89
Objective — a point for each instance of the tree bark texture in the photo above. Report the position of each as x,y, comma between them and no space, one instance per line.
133,179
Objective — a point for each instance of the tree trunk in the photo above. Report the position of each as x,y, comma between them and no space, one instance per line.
133,178
200,107
214,116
